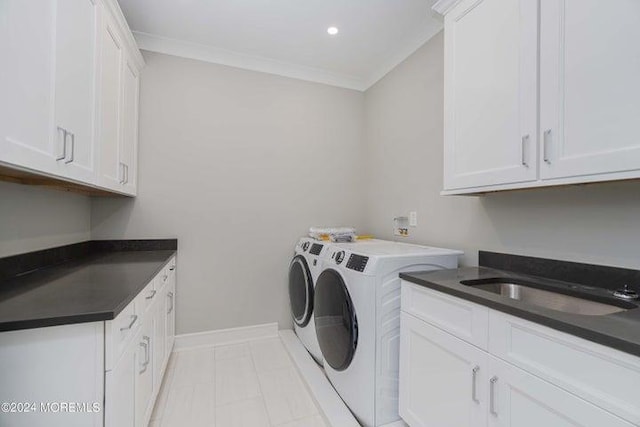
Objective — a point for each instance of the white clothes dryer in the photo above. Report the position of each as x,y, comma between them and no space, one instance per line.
357,317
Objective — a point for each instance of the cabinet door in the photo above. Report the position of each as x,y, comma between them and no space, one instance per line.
490,123
159,342
120,390
441,378
75,82
519,399
590,90
170,315
111,173
129,148
144,372
27,48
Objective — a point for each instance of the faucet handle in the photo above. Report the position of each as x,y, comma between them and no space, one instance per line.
626,293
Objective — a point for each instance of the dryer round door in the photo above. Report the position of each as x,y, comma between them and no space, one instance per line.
300,291
336,321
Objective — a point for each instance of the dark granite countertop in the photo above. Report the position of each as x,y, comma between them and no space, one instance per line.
618,330
92,281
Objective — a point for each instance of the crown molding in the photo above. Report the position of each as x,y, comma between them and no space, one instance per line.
201,52
169,46
402,55
442,7
116,12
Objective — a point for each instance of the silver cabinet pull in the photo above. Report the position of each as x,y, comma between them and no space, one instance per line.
147,356
153,294
474,375
64,143
492,396
121,172
146,351
545,146
133,320
525,144
73,147
126,173
170,295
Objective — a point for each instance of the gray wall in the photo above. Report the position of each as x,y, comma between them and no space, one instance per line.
404,115
33,218
237,165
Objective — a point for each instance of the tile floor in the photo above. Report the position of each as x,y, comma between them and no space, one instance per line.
251,384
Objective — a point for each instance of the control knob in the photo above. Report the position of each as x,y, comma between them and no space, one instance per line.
339,257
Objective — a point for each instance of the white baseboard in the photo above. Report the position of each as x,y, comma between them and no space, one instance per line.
225,336
333,408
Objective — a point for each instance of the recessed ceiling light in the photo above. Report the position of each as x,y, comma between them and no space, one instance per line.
332,31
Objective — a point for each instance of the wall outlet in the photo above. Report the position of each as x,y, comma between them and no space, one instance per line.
413,219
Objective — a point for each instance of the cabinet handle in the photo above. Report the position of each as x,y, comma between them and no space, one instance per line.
525,144
64,143
147,357
545,146
153,294
474,375
133,320
170,295
126,173
492,396
73,147
121,173
146,351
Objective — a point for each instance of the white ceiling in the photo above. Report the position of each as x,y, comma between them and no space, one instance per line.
288,37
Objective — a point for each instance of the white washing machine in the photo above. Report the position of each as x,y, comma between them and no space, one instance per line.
304,269
357,316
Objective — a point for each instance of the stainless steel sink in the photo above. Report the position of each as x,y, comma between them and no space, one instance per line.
548,299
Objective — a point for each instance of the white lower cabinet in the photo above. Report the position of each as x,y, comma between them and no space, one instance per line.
119,391
159,340
110,371
144,372
134,382
170,308
520,399
445,381
441,377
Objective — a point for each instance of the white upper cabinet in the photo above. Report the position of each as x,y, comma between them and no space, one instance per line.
69,84
111,173
129,140
585,93
27,48
75,82
589,87
490,92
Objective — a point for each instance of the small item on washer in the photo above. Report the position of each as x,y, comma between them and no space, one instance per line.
335,234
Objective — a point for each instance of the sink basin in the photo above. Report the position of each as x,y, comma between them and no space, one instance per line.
549,299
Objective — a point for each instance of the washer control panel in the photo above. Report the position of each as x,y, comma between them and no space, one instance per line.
316,248
357,262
